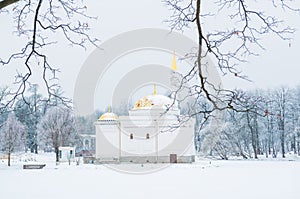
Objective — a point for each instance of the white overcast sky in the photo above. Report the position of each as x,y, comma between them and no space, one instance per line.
278,65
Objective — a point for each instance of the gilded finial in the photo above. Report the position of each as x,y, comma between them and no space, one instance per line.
108,109
154,90
174,64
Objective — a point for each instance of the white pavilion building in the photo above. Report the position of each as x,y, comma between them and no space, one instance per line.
150,133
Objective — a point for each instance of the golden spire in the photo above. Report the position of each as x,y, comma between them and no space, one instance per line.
174,65
108,109
154,90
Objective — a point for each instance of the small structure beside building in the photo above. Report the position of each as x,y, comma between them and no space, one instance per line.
66,154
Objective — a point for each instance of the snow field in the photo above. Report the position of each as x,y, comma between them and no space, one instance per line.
205,179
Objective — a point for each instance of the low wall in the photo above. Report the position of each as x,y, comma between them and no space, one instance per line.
139,159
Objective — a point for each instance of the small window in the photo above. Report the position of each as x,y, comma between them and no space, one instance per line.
131,136
147,136
71,153
60,154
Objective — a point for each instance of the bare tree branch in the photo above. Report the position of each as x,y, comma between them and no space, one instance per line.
47,17
5,3
249,26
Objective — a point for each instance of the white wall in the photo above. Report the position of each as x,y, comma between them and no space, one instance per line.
179,141
66,154
107,140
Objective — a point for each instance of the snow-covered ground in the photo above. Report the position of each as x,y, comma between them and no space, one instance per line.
205,179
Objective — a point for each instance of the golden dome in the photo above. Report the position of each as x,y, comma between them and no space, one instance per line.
108,116
154,101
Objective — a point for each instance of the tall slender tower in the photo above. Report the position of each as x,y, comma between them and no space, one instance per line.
175,76
180,89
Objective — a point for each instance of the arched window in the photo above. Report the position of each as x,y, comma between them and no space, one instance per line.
147,136
131,136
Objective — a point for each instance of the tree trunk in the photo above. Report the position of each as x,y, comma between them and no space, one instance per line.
5,3
267,148
282,140
57,154
298,148
254,147
298,143
294,144
258,149
36,149
269,136
282,148
253,136
272,137
243,155
8,160
274,155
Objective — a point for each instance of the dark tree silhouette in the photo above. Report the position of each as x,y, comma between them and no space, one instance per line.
37,21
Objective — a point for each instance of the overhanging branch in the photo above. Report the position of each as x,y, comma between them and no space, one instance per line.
5,3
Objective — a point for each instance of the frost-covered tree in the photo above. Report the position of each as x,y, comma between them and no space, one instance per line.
3,93
85,125
223,142
3,107
57,128
296,109
269,124
29,111
282,97
269,131
11,136
121,109
252,124
239,135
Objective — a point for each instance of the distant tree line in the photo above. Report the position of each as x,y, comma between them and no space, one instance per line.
269,125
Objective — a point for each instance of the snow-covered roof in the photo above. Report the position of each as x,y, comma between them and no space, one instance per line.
66,148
